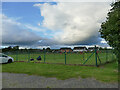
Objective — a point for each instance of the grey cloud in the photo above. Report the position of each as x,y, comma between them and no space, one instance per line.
13,33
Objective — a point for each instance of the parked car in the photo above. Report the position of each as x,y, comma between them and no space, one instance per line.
5,58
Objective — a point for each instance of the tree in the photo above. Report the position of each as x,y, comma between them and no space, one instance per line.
9,48
48,49
16,48
110,29
43,49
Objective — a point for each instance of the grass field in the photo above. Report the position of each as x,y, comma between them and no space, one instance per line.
106,73
71,58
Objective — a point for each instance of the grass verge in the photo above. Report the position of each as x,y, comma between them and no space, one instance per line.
106,73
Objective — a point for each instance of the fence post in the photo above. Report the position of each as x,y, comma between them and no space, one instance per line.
83,55
65,56
16,55
112,54
54,55
44,56
28,55
96,55
106,55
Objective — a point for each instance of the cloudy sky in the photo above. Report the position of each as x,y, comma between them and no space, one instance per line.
41,24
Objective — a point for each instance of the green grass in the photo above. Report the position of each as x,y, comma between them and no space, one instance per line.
106,73
71,58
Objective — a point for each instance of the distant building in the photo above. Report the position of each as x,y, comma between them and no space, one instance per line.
79,49
65,49
55,50
92,48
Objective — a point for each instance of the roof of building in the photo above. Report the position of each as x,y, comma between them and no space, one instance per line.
80,48
92,47
64,48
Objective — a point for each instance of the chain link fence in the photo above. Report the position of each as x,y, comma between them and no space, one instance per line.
92,58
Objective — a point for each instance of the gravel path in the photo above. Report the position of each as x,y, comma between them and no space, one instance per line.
11,80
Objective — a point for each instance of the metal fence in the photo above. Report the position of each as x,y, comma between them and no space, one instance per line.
91,58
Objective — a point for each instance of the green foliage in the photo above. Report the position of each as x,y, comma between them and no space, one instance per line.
110,29
15,48
48,49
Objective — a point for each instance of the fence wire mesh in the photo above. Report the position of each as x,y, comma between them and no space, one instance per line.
95,58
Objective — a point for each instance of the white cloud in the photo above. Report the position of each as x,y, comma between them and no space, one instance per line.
58,0
74,22
14,33
103,41
33,28
41,47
